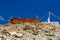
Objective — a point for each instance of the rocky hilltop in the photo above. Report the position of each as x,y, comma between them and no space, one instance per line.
27,31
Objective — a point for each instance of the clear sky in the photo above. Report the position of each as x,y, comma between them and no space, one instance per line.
28,9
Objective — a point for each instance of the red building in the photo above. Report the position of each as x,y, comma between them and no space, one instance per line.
24,20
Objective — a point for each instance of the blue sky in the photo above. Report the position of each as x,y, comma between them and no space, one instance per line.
28,9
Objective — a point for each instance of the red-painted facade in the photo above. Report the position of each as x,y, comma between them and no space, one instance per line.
24,20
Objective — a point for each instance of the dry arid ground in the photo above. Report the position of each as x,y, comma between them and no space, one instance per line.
27,31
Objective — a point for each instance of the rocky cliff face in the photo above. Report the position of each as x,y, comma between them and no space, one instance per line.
28,31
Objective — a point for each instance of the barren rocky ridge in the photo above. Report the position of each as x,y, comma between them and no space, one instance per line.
27,31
